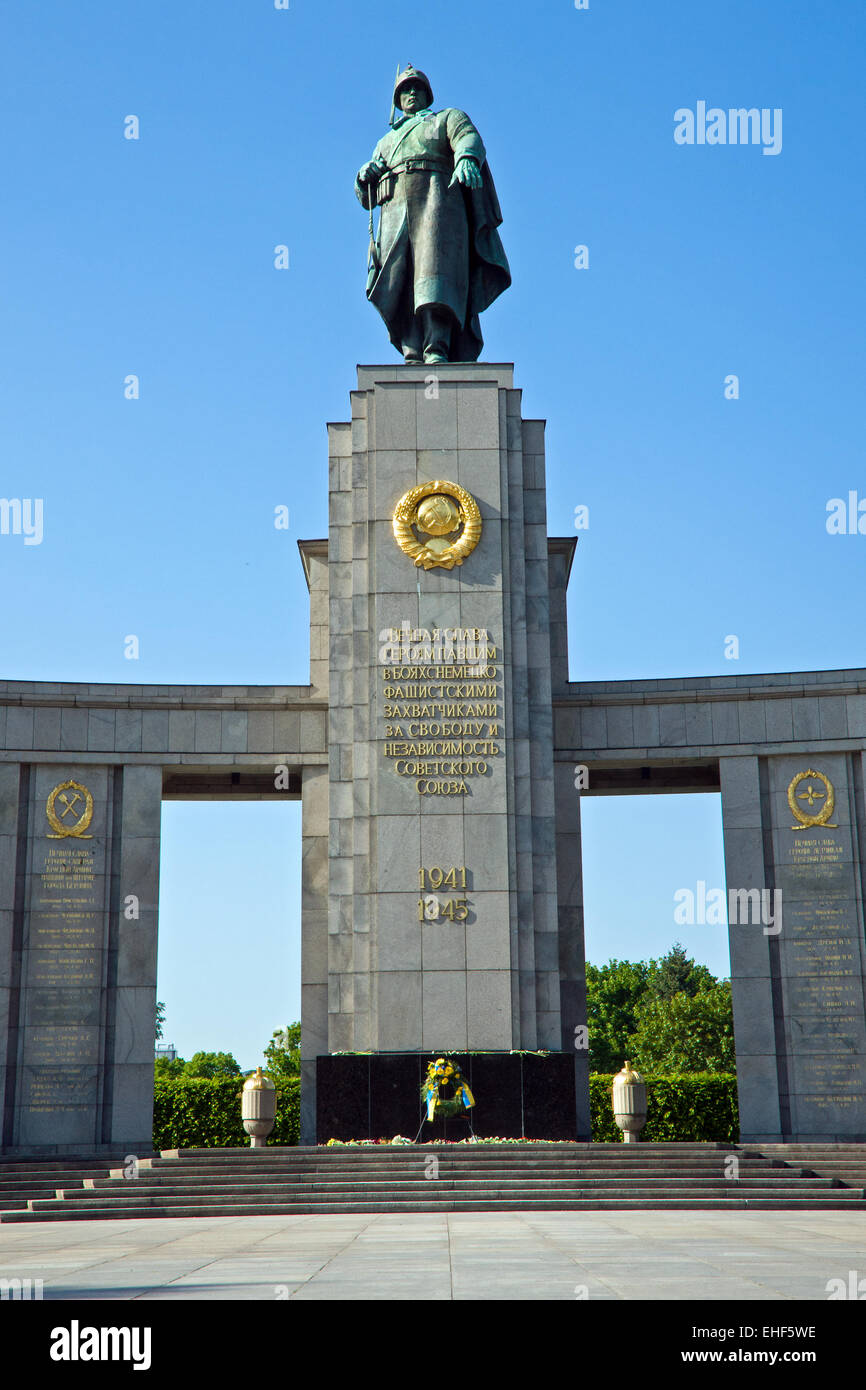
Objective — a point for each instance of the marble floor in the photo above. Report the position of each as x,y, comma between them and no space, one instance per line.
763,1256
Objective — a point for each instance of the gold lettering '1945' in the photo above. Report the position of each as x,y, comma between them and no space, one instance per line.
431,908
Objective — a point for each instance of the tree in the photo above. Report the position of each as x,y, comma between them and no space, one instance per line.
676,973
283,1054
614,993
204,1064
686,1033
640,1010
160,1019
164,1068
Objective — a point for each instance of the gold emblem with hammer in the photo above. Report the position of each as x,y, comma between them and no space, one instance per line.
69,795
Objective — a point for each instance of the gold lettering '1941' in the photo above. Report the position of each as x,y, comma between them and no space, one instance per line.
437,877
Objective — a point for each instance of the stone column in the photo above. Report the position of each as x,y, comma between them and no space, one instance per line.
794,831
482,971
13,836
572,956
314,939
818,874
130,1004
80,979
754,959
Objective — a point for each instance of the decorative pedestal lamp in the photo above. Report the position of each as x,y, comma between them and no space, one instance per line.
629,1103
258,1108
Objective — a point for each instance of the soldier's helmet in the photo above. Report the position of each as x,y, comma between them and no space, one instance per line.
412,75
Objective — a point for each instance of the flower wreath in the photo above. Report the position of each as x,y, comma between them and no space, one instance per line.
443,1072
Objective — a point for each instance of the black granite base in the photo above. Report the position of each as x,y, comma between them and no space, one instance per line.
517,1096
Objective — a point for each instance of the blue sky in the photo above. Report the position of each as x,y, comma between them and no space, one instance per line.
154,257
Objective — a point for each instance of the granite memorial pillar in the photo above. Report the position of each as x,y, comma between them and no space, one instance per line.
442,912
794,846
79,882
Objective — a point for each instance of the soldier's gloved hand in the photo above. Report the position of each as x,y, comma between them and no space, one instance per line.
370,172
466,171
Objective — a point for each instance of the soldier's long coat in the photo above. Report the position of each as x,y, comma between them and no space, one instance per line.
436,245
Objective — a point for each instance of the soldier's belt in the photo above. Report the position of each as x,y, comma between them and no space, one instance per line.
385,186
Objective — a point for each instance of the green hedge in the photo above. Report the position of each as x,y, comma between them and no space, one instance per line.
206,1114
700,1106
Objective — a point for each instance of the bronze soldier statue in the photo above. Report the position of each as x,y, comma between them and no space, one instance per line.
438,261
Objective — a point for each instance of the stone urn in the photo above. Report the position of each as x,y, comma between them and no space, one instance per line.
258,1108
629,1103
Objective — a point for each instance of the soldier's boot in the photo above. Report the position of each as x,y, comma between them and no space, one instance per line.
437,333
412,342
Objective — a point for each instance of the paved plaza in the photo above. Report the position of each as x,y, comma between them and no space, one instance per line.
677,1255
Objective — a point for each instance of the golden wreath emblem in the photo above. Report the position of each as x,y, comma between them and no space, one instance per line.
811,795
76,802
439,510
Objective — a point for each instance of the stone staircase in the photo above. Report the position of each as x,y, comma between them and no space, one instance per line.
489,1177
844,1161
21,1182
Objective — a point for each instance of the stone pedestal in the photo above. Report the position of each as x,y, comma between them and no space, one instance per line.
442,926
378,1097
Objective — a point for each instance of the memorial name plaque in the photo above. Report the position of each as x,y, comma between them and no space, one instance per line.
64,958
820,946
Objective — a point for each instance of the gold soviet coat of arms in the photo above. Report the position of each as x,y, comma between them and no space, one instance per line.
445,512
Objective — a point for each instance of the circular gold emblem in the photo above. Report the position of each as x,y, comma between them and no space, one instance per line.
74,814
439,510
810,796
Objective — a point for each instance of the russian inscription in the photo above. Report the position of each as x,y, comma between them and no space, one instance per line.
820,959
442,707
63,974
